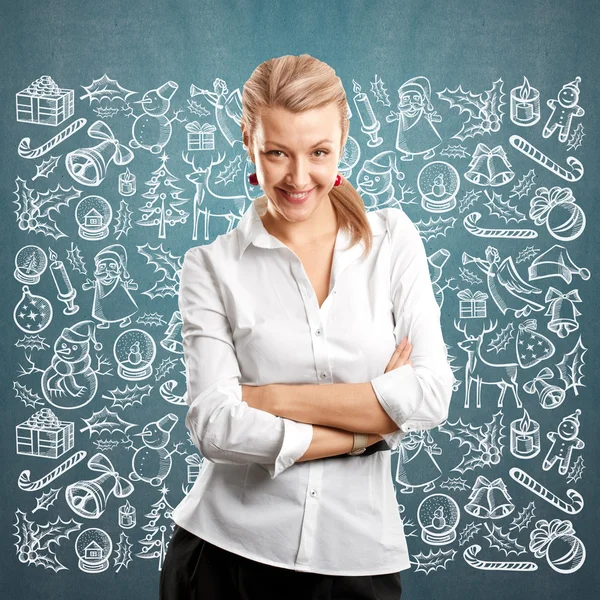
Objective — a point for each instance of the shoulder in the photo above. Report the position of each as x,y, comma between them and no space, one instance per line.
403,233
220,251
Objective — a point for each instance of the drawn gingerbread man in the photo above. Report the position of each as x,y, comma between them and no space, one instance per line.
564,441
564,108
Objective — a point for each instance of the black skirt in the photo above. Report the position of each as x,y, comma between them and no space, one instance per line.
195,569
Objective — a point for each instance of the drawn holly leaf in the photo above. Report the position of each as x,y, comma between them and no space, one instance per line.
33,540
106,420
524,185
523,519
433,560
47,167
76,259
502,541
434,227
46,500
123,553
576,470
162,260
33,207
570,367
468,533
379,91
455,483
503,209
123,220
127,397
105,88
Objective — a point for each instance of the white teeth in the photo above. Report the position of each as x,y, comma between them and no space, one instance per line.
296,195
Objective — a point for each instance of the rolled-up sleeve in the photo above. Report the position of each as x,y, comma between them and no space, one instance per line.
417,396
222,426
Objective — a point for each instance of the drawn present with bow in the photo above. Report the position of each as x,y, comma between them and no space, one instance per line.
200,137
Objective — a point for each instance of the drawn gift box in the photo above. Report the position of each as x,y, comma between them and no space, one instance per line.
200,137
472,304
194,465
44,435
44,103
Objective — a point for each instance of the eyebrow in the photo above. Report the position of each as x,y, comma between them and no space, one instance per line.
313,146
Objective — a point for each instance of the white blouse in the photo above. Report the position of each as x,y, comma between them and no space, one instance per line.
250,316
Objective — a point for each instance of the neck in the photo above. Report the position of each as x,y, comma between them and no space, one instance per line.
321,225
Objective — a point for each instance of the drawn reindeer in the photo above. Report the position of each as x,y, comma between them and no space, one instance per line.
482,371
231,207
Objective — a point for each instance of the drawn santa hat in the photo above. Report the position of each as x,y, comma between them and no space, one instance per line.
418,84
382,163
114,251
80,333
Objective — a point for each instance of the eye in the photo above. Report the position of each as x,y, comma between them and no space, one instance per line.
323,151
271,151
63,345
74,347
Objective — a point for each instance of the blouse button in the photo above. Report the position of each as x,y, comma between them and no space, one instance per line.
324,375
318,332
313,493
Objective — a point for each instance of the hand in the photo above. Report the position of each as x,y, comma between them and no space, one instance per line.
400,356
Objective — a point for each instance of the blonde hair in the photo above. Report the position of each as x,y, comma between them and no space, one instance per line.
299,83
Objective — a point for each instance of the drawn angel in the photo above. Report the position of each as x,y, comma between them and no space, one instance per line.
504,283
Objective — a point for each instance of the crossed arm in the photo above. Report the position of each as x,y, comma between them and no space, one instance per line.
348,406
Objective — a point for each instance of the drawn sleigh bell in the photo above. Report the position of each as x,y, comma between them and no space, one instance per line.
88,166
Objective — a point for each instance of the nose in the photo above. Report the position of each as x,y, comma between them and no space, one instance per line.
298,175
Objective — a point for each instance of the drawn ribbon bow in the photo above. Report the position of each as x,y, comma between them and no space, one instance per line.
99,130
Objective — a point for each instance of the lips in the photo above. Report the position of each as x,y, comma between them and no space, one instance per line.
294,200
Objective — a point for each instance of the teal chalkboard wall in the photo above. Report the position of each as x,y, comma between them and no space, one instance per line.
497,74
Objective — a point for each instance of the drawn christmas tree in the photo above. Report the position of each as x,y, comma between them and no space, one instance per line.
163,200
159,522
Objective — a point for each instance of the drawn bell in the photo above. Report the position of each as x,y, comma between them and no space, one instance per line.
87,498
489,167
489,499
88,166
550,395
172,340
563,311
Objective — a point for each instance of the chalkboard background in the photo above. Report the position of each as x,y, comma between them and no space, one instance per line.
103,51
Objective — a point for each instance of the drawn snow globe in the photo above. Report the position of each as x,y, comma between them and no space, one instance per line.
134,351
93,547
438,516
93,215
30,263
438,183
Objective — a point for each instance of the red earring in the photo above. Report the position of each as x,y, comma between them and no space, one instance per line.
338,180
253,179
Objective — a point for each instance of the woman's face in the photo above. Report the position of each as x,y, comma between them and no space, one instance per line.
291,155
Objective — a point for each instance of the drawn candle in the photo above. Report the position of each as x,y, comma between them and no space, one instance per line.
66,292
364,108
127,183
525,437
525,104
370,124
127,515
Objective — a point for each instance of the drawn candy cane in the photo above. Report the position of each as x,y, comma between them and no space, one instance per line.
534,486
25,151
31,486
470,556
522,145
470,225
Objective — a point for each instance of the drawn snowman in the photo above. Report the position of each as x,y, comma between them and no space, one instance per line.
70,381
152,462
152,130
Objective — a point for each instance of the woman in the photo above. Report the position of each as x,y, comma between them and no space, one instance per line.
295,499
